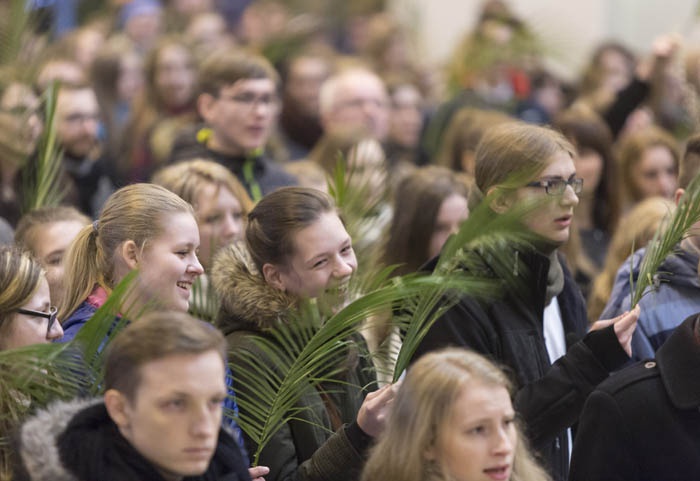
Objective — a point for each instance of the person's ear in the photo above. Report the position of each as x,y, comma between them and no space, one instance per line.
205,105
130,253
500,201
273,276
677,196
118,408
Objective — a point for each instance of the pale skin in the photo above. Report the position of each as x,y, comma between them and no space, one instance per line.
325,259
552,221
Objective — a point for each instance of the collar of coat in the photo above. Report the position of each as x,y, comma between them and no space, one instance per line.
678,361
247,301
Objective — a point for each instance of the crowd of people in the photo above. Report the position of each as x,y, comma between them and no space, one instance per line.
252,166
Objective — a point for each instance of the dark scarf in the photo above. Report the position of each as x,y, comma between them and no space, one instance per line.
92,448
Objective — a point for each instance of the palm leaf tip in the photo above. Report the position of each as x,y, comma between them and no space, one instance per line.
675,227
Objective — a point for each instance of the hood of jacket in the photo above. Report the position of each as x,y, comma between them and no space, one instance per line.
247,301
37,440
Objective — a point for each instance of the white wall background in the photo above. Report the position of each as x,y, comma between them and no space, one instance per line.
570,28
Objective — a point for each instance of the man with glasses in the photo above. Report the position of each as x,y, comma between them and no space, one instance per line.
239,103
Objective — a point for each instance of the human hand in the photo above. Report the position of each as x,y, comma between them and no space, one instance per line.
625,324
375,409
257,473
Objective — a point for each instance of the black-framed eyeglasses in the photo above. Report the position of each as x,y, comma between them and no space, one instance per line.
558,186
51,316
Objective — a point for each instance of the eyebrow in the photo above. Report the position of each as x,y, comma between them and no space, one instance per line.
557,177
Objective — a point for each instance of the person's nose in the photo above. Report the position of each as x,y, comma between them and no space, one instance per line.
195,267
569,197
56,331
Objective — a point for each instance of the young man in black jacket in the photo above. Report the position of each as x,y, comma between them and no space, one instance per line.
159,419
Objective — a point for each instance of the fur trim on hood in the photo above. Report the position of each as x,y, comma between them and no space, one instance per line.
247,301
37,440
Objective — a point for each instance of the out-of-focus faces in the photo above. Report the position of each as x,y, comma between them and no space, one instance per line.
589,166
360,103
406,116
49,246
615,70
175,416
20,330
131,80
175,76
655,174
323,259
552,219
306,75
453,211
207,32
220,220
241,116
77,117
168,264
19,112
477,442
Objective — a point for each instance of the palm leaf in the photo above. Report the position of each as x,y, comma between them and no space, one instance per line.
482,234
42,187
205,302
32,377
12,33
301,355
96,334
669,234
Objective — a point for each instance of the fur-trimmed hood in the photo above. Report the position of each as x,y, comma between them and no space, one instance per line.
37,441
247,301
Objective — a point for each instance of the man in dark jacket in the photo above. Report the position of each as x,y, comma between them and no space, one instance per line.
644,422
159,419
239,104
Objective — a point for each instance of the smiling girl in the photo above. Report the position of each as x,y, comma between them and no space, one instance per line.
297,248
144,227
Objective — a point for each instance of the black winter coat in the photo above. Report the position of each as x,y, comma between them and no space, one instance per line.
643,424
549,397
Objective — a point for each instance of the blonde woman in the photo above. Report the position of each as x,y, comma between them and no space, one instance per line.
453,419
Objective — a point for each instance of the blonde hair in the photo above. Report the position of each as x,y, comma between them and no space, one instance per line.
635,231
20,276
423,405
188,179
135,212
28,226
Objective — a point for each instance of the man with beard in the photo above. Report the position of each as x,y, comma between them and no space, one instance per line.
77,128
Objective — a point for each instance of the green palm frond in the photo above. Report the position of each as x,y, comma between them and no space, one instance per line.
13,31
669,234
482,234
42,187
302,355
95,335
30,377
204,303
364,217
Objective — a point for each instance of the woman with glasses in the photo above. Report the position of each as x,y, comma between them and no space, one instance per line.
536,326
26,314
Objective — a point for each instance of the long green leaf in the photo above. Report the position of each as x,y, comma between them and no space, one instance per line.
667,238
301,355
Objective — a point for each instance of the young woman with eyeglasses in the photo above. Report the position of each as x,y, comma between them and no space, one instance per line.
537,325
26,314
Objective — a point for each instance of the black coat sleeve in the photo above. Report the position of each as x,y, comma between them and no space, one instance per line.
603,443
548,404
